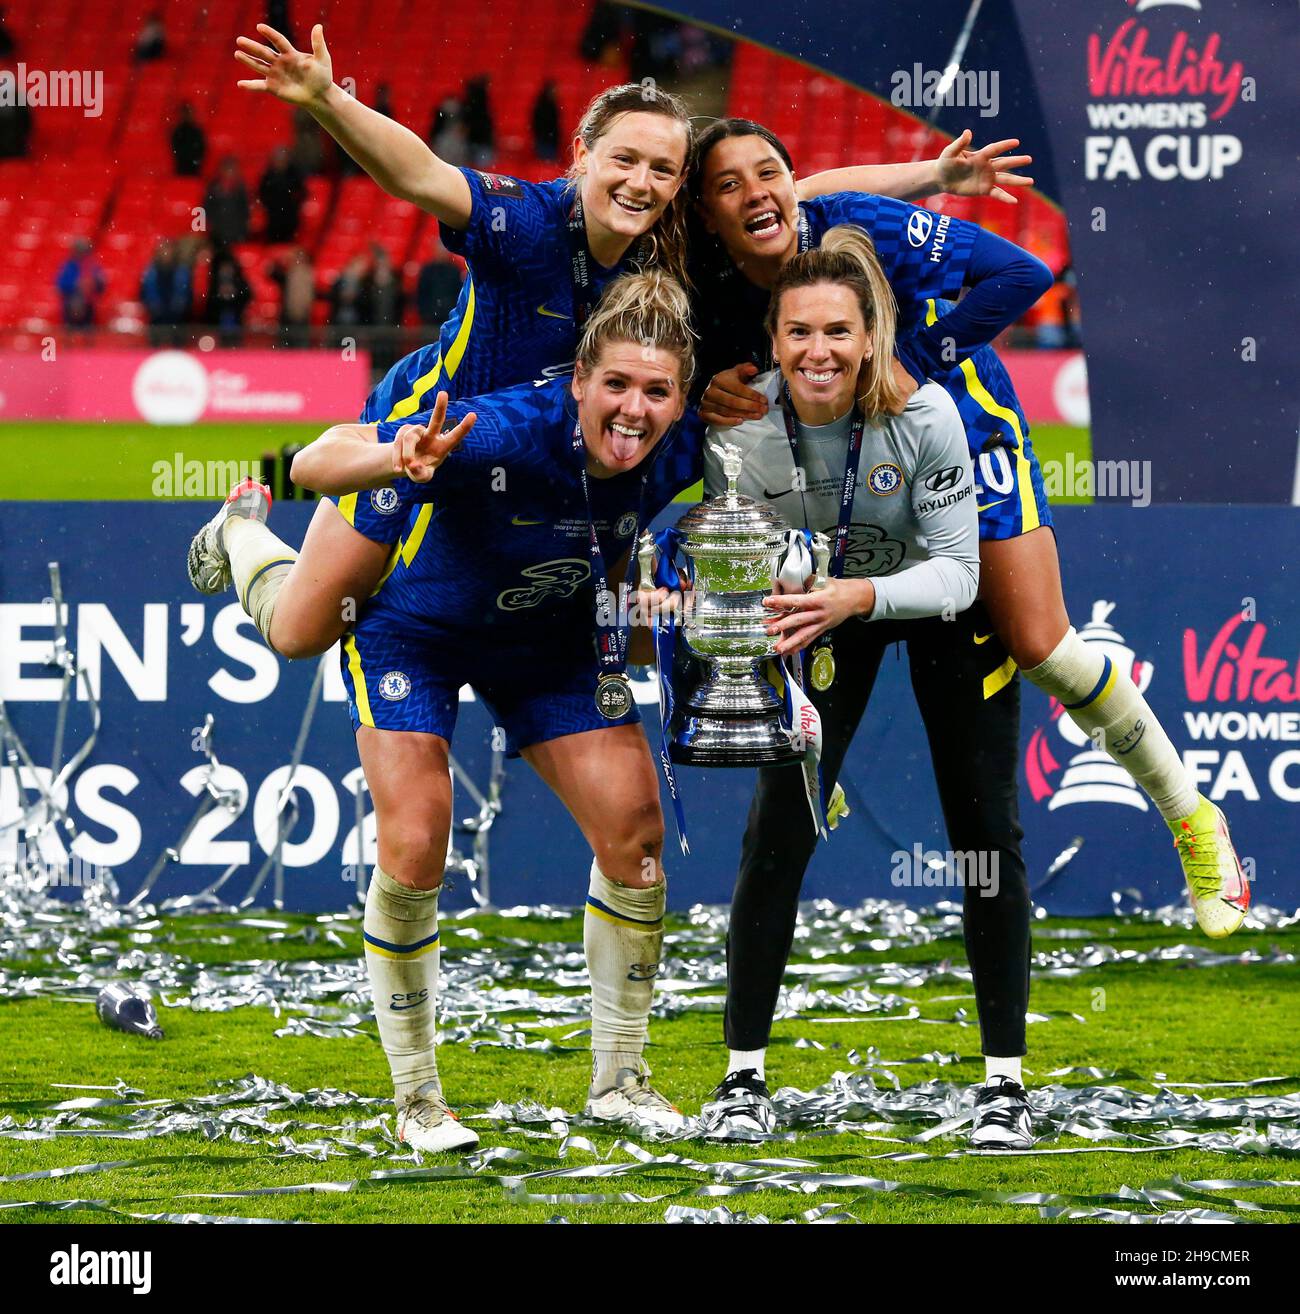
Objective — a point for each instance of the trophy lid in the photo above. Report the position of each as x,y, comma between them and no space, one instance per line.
732,516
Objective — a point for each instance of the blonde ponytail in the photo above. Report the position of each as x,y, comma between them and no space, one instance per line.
649,308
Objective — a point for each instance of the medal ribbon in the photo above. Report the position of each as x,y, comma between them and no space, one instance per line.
585,295
848,488
580,259
611,636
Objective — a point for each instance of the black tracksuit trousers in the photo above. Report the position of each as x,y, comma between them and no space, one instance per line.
974,746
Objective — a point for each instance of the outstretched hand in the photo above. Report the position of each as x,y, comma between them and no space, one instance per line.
292,75
419,449
985,172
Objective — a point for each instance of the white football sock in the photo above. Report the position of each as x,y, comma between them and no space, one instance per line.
401,940
623,932
1003,1067
1097,695
738,1060
259,564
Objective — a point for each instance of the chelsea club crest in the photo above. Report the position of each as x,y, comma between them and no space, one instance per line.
385,500
626,525
885,479
395,686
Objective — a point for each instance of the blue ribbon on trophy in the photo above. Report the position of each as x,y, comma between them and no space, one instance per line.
658,557
797,722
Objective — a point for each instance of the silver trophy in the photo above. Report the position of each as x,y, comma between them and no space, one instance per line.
734,544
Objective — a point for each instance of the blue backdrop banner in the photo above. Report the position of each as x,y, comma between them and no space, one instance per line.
1199,605
1167,131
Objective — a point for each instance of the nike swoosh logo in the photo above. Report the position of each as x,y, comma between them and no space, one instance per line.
519,520
767,492
401,1008
981,638
551,314
988,505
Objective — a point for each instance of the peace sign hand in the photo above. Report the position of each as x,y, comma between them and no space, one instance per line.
985,172
418,450
295,77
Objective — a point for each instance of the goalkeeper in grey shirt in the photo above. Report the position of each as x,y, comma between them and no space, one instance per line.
851,447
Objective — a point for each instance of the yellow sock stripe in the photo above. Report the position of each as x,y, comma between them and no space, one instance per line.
359,693
258,573
986,401
614,919
401,958
399,953
1096,699
999,679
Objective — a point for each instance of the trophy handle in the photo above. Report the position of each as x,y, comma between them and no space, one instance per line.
646,560
821,559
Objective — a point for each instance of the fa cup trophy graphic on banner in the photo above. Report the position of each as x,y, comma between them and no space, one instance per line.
1092,776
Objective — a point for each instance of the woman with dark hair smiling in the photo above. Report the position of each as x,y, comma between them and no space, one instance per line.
753,224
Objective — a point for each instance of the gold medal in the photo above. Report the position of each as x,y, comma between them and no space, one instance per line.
823,668
613,697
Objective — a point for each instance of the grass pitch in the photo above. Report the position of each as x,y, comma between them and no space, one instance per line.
56,461
1225,1023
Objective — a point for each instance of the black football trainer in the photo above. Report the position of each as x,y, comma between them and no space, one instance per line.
1002,1117
739,1110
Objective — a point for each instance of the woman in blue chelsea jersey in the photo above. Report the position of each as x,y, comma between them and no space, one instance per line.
528,508
539,255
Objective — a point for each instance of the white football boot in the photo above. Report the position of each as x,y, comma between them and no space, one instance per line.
635,1103
425,1123
208,561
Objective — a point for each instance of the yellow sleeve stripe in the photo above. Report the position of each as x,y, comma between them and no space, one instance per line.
995,683
416,539
404,549
985,400
458,347
411,404
393,558
359,693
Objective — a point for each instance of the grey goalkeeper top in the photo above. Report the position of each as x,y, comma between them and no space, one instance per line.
913,529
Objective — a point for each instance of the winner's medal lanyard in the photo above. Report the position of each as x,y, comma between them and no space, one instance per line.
580,258
823,653
613,690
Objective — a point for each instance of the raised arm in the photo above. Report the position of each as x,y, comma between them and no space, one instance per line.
350,458
958,171
392,155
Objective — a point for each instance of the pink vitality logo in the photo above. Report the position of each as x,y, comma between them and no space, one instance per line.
1133,64
1091,775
